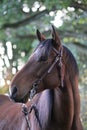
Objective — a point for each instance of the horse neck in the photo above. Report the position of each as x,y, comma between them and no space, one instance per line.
68,95
45,107
63,107
43,102
71,78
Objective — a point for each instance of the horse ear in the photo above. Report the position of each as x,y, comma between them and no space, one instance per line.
55,36
40,36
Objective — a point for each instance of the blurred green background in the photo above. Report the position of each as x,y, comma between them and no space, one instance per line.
19,20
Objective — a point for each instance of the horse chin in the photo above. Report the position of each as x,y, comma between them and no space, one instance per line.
22,100
25,99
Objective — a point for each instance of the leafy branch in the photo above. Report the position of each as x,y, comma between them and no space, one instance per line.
25,21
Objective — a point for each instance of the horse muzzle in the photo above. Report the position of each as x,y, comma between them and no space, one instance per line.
13,92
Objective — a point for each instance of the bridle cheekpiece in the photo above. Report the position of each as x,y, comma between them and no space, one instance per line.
57,59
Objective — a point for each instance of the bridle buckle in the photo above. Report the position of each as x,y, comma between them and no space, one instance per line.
33,90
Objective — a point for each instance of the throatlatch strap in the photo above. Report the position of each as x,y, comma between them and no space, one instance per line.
26,112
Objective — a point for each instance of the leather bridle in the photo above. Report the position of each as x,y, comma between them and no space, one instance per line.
26,111
57,59
33,91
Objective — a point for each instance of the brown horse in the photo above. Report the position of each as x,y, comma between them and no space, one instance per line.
12,116
51,66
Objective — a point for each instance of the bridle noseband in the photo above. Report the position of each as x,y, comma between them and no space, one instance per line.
57,59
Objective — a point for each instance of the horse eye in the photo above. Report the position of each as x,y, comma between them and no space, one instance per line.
43,58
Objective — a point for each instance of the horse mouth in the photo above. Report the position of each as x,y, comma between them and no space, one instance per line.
24,99
29,95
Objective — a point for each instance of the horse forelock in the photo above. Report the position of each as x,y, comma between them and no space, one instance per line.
43,49
44,107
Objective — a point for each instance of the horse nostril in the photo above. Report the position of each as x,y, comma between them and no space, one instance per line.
14,92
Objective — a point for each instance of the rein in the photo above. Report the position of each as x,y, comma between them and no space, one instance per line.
26,113
57,59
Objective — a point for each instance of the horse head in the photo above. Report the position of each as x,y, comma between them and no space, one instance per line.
44,69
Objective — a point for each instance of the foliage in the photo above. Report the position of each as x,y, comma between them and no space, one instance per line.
18,23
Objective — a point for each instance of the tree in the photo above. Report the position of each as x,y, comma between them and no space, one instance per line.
18,22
